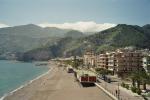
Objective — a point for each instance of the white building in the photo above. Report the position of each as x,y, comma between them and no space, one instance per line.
146,63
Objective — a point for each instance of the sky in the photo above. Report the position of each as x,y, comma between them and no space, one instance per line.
20,12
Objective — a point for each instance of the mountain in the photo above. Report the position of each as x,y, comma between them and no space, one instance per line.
117,37
147,29
27,37
49,51
19,39
31,42
120,36
33,31
74,34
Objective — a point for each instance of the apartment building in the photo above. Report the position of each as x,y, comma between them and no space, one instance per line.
127,61
89,58
112,61
119,61
102,61
146,63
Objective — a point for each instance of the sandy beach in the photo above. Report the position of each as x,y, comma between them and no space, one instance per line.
57,85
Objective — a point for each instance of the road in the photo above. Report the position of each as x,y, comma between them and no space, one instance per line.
124,93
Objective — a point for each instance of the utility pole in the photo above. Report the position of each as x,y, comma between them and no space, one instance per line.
118,91
75,62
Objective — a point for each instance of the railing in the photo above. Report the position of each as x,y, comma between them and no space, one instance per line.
119,96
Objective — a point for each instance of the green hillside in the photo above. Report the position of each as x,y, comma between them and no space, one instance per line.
36,43
23,38
120,36
74,34
27,37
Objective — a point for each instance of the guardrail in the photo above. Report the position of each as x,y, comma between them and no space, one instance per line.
108,93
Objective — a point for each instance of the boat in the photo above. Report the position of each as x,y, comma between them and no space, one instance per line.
41,64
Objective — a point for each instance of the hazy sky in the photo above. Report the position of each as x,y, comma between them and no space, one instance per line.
16,12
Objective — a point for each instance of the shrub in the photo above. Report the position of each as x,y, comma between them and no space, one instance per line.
127,86
133,89
123,84
138,91
98,69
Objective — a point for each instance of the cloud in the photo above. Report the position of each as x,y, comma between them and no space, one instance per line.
3,25
89,26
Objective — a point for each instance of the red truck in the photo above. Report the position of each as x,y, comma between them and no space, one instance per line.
86,77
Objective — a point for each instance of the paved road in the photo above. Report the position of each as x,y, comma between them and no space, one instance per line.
58,85
124,93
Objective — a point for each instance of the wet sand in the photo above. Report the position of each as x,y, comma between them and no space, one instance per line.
57,85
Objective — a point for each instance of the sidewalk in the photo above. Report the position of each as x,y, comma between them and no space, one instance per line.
124,93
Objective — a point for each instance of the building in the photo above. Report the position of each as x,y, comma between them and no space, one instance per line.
146,63
119,61
89,58
112,62
127,61
102,61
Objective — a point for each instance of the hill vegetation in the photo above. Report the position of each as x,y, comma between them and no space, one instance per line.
120,36
20,39
37,46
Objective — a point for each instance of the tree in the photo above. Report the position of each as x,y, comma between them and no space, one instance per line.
102,71
140,77
134,77
145,78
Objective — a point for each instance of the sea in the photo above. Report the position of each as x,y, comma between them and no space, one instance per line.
14,74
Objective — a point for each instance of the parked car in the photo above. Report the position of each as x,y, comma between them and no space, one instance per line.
109,80
101,77
105,78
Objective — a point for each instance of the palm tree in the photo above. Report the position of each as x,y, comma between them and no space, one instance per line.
140,77
135,78
145,78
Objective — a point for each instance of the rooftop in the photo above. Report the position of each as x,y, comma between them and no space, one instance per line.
83,72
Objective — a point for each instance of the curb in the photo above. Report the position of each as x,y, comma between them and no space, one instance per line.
112,96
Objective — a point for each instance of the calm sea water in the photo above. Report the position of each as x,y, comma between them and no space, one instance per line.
14,74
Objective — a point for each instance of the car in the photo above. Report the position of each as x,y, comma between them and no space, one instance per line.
109,80
103,77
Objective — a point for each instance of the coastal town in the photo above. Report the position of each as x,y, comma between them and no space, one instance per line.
123,74
74,50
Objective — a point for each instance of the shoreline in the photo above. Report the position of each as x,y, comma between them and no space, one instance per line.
26,83
57,84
